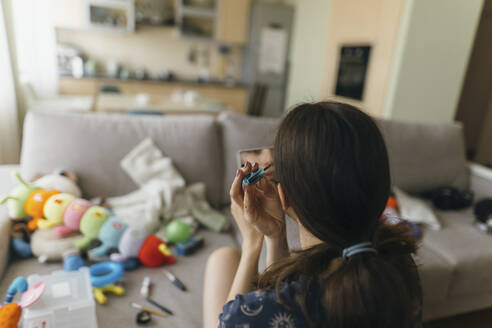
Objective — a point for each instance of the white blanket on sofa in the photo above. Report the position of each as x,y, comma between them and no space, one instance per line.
162,194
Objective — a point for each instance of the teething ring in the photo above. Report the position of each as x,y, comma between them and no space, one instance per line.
105,273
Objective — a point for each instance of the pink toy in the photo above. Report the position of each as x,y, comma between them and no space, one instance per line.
72,216
32,294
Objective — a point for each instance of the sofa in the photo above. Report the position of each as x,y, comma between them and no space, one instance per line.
455,263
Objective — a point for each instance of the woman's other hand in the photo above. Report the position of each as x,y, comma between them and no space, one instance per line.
257,207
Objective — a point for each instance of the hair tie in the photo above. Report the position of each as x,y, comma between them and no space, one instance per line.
365,247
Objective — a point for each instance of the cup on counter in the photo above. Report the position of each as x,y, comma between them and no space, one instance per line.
143,99
113,68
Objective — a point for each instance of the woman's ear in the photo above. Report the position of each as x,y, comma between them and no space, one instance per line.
283,199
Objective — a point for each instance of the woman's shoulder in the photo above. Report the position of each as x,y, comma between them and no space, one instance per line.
262,308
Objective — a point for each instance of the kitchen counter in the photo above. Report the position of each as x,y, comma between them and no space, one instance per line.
233,98
192,82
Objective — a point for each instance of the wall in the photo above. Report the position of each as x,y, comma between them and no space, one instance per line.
308,50
9,121
155,48
374,22
431,59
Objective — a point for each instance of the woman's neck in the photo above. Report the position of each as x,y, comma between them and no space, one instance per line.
307,239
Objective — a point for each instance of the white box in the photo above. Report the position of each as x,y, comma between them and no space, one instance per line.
67,301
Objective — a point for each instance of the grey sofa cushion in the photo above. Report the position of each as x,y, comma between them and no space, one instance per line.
435,275
242,132
425,156
93,144
468,252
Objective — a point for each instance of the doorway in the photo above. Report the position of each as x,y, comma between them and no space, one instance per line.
475,104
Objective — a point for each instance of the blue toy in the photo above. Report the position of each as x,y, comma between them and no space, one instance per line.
106,273
109,235
21,247
190,246
18,286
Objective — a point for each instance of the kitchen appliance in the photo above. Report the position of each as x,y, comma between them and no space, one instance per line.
266,56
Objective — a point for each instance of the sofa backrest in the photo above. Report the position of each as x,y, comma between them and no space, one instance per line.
93,144
242,132
422,156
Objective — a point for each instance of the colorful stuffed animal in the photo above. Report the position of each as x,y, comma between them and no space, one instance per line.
17,198
137,243
53,210
34,206
90,224
129,244
46,245
109,236
26,205
72,216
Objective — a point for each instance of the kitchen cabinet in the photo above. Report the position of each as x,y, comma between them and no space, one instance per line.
223,21
233,21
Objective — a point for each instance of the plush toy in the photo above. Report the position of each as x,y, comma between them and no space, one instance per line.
154,252
34,206
26,204
129,245
47,245
109,236
90,224
72,216
53,210
137,243
17,198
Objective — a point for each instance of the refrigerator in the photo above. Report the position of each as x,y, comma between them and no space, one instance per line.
266,55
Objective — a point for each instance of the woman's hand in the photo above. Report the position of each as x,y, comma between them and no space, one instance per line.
257,207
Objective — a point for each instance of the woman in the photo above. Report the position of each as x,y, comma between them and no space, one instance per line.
354,269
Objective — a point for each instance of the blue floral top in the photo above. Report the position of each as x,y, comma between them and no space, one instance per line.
262,309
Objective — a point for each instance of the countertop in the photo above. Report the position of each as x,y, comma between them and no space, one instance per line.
191,82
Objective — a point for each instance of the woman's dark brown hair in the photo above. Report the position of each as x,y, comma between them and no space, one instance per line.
331,161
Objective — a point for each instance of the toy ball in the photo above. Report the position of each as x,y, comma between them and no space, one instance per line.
178,232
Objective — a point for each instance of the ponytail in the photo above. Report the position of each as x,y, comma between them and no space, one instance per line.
331,161
364,290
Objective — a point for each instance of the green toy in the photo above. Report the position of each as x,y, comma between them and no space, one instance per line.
90,224
17,198
177,232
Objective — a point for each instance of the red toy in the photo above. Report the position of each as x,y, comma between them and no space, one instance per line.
154,252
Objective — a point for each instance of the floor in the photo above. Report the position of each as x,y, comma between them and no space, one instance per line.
480,319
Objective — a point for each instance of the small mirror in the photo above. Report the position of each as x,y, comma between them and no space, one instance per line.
263,156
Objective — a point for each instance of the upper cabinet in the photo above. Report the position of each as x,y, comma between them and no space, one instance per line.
224,21
111,15
233,21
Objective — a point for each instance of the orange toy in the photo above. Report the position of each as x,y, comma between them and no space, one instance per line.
34,206
10,315
392,203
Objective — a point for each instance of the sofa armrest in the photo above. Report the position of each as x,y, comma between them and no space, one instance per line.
6,184
480,180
